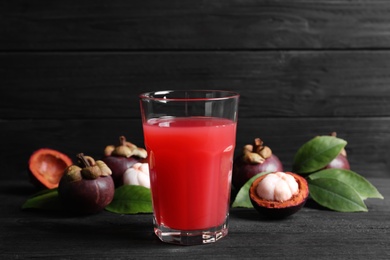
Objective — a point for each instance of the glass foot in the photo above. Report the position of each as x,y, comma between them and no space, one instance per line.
191,237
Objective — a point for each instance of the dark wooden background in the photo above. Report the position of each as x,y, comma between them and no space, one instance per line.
71,72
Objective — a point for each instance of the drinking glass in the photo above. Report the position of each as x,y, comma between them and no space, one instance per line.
190,137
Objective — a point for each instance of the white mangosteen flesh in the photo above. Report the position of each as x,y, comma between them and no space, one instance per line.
277,186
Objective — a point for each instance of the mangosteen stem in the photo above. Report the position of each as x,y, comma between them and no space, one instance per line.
83,160
257,144
122,140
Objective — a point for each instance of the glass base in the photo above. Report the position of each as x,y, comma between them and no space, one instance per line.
191,237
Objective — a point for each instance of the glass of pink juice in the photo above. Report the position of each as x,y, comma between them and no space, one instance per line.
190,138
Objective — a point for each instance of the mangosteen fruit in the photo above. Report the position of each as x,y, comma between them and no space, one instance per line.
46,167
87,189
341,161
121,157
255,158
279,194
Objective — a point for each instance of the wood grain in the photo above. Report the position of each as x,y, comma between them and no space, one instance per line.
70,74
271,83
311,233
217,24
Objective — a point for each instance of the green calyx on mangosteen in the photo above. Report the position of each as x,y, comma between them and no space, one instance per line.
87,189
279,194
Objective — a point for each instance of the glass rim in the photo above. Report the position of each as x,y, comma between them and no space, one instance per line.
150,95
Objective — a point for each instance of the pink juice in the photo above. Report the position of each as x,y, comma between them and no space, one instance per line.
190,162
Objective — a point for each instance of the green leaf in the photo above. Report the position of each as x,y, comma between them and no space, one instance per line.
46,199
131,199
317,153
358,182
335,195
242,199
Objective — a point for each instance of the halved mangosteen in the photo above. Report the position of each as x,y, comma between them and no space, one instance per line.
279,194
46,167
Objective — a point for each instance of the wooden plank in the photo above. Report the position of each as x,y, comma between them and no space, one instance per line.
218,24
368,139
271,84
309,234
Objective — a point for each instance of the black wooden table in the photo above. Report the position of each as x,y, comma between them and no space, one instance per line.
70,75
312,233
